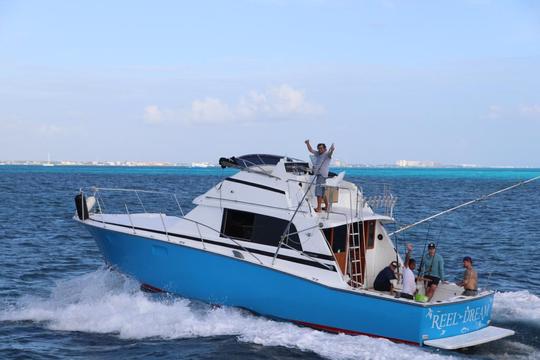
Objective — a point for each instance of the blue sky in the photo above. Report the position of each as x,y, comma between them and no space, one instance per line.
455,82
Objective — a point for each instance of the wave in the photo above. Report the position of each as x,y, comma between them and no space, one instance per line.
521,306
108,302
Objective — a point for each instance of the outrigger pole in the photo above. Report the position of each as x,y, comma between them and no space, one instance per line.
481,198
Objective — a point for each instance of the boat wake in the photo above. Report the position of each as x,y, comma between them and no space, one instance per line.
518,306
109,303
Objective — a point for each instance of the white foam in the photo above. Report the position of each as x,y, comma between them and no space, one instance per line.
517,305
512,350
106,302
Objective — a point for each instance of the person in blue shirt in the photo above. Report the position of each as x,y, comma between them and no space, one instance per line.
432,270
382,281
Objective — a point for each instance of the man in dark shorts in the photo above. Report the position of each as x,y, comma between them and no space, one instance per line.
432,270
382,281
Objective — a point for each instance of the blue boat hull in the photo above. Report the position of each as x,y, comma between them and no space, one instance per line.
219,279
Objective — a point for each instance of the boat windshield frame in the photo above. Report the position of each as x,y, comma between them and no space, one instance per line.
249,161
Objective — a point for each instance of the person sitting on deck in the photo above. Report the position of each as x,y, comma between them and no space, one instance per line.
409,283
320,167
470,278
432,270
382,281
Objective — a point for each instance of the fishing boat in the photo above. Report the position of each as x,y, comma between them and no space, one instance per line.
254,241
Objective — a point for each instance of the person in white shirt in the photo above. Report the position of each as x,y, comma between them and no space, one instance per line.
409,283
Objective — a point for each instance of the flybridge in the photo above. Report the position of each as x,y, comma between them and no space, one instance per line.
259,160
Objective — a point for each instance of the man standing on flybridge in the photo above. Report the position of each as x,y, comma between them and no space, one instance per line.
320,167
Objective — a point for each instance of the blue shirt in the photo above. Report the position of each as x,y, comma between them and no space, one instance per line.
433,265
382,281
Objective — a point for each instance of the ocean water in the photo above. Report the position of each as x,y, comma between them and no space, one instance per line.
58,301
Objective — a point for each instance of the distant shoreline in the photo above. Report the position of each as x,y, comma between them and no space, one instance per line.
212,166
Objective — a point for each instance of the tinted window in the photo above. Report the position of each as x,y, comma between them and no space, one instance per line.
260,229
297,167
370,234
238,224
337,237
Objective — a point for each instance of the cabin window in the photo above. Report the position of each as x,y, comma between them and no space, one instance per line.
337,238
370,232
257,228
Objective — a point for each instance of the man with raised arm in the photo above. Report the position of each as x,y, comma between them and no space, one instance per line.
320,170
409,283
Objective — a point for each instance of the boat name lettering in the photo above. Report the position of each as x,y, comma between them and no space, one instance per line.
441,321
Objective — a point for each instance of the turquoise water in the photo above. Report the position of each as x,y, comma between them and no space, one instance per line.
58,301
436,173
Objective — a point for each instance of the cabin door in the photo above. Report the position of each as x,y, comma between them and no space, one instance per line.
337,239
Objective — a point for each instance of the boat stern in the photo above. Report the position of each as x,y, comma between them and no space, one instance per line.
462,323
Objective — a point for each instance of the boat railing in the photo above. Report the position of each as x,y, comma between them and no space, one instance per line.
381,203
97,193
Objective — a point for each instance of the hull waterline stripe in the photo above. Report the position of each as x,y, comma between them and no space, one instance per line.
255,185
236,247
350,332
150,288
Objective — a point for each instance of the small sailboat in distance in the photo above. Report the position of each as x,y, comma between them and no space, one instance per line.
48,163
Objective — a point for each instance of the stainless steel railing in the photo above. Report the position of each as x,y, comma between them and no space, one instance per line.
98,194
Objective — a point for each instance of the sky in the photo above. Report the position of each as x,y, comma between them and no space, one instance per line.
457,82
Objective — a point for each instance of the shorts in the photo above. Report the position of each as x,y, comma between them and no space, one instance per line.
468,292
432,280
319,185
406,296
385,286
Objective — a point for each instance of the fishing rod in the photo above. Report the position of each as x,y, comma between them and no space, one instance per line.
424,251
481,198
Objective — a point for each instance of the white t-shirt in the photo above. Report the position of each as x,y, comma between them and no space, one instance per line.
409,285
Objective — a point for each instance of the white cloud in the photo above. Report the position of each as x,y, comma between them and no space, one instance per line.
280,102
210,111
152,115
532,110
276,101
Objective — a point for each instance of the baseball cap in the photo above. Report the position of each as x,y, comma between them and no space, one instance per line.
431,246
394,263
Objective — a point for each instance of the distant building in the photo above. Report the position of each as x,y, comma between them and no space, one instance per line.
200,164
416,163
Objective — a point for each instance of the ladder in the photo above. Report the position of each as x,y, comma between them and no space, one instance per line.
355,258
